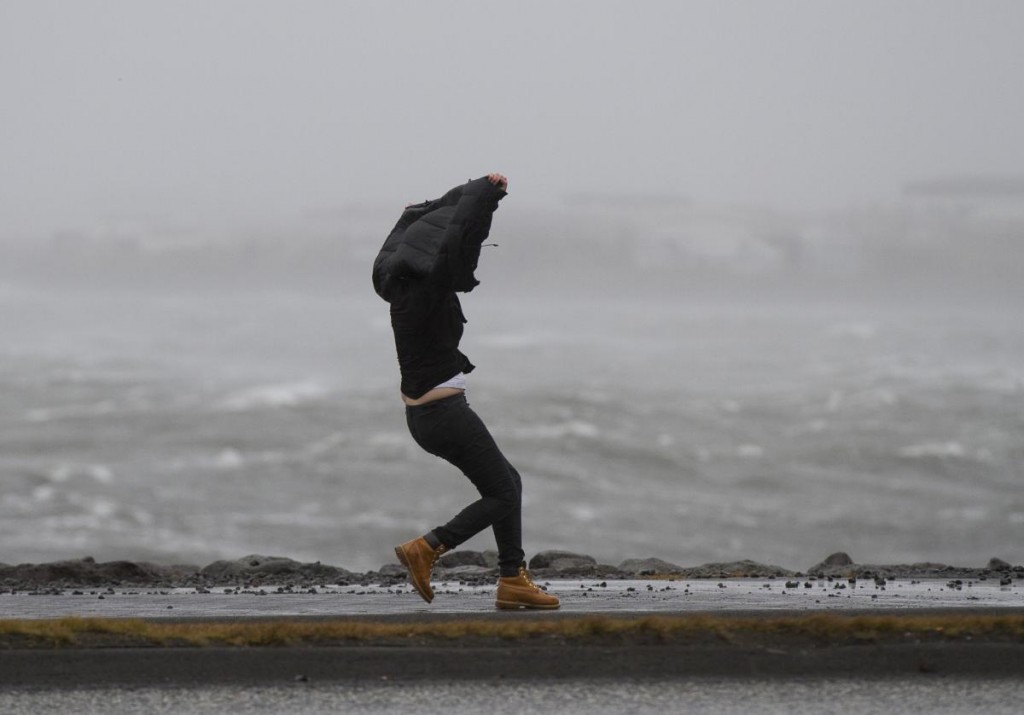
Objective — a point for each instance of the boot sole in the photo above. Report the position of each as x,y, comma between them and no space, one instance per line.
515,605
400,553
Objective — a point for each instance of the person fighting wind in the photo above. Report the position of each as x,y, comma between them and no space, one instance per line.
430,257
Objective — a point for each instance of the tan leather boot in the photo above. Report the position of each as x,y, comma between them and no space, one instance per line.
419,557
521,592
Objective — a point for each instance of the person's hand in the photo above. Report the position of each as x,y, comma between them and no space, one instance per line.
498,180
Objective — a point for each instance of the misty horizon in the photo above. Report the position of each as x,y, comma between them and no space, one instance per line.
240,114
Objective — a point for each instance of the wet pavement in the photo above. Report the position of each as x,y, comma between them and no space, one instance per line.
577,596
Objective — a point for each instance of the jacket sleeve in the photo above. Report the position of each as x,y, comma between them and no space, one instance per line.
469,227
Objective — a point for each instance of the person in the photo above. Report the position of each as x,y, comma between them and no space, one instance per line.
428,258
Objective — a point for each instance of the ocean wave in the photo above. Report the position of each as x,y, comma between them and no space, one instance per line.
286,394
47,414
324,445
44,492
861,399
389,439
750,451
583,512
226,460
65,471
230,459
560,430
964,513
376,519
934,450
134,400
305,516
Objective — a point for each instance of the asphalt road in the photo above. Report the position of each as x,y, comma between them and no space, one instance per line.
910,695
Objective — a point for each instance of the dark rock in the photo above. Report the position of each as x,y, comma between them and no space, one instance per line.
275,568
832,564
392,570
462,558
644,567
995,564
86,572
561,561
735,569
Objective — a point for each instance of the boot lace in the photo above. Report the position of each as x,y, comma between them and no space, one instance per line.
526,576
437,554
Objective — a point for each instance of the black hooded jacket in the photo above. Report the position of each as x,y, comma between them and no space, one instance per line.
429,256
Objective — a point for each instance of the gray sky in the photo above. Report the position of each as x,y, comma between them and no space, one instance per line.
224,112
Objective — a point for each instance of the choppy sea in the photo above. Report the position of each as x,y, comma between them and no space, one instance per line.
183,428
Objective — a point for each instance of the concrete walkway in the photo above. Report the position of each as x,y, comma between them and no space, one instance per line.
578,597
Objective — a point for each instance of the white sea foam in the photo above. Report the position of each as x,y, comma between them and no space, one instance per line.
939,450
47,414
43,492
287,394
560,430
964,513
750,451
324,445
102,508
377,519
64,472
389,439
225,460
228,459
582,512
299,517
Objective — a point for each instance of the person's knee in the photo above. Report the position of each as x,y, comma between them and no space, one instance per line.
516,479
509,497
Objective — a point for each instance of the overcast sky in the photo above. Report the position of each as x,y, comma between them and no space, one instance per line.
222,112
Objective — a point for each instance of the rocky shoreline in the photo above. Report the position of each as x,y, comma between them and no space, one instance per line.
471,567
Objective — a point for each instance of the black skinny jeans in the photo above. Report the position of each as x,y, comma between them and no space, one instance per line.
448,428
